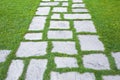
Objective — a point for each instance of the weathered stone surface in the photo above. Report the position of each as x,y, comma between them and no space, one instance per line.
60,34
77,1
38,23
116,56
110,77
60,0
72,76
77,16
90,43
33,36
78,5
79,10
65,4
55,16
27,49
45,0
84,26
59,9
49,3
66,47
96,61
4,54
43,11
36,69
59,25
15,70
66,62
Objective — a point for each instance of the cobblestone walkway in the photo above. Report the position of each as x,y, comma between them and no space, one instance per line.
61,44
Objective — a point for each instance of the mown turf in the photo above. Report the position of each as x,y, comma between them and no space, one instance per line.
15,17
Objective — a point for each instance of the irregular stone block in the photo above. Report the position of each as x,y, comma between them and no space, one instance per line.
96,61
49,3
59,25
43,11
38,23
110,77
77,16
55,16
33,36
72,76
65,4
77,1
64,47
15,70
90,43
27,49
36,69
78,5
66,62
59,9
79,10
60,34
84,26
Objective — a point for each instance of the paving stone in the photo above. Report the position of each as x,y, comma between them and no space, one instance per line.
4,54
27,49
60,34
33,36
55,16
90,43
59,25
66,62
36,69
79,10
77,1
84,26
96,61
60,0
43,11
67,47
45,0
49,3
115,77
77,16
38,23
65,4
116,56
15,70
72,76
78,5
59,9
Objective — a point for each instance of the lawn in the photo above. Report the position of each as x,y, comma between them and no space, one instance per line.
16,15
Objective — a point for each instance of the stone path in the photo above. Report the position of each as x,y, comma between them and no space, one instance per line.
58,36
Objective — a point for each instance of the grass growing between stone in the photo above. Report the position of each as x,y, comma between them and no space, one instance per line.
105,15
16,17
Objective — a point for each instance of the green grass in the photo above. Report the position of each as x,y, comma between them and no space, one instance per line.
16,15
